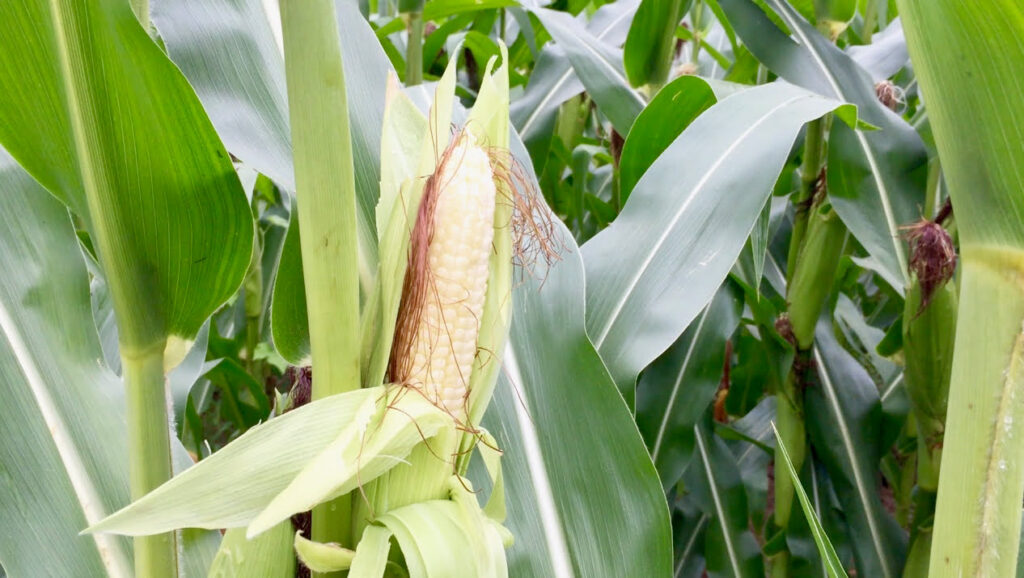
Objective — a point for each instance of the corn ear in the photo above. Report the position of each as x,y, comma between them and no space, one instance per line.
437,359
928,337
453,250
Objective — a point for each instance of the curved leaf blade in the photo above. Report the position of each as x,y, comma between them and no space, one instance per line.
844,421
668,114
676,390
252,470
553,80
883,188
649,50
597,65
730,547
828,554
620,525
652,271
145,169
62,428
60,461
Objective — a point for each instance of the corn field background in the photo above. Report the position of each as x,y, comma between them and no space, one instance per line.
744,288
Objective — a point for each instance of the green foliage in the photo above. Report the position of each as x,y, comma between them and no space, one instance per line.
684,275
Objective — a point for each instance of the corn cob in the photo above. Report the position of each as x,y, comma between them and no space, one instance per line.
443,298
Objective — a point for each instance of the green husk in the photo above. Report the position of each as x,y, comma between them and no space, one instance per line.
928,349
815,270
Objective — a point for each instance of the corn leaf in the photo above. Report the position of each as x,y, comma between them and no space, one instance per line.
676,390
650,46
832,564
145,170
369,446
430,532
263,461
322,557
371,557
729,545
598,66
555,434
668,114
288,312
876,178
651,272
844,424
62,425
886,54
59,422
553,79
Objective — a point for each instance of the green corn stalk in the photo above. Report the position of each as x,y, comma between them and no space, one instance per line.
968,62
413,11
806,295
325,183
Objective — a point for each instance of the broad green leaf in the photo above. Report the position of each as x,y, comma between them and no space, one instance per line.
690,527
597,65
652,271
255,468
143,168
269,554
729,546
828,553
676,390
844,418
620,525
876,178
838,12
227,51
62,422
62,429
650,47
553,80
671,110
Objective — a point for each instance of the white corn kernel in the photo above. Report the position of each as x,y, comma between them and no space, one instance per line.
444,343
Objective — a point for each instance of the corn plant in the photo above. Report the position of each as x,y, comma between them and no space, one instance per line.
452,288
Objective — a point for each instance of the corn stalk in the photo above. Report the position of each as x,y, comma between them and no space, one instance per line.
325,183
968,62
809,290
